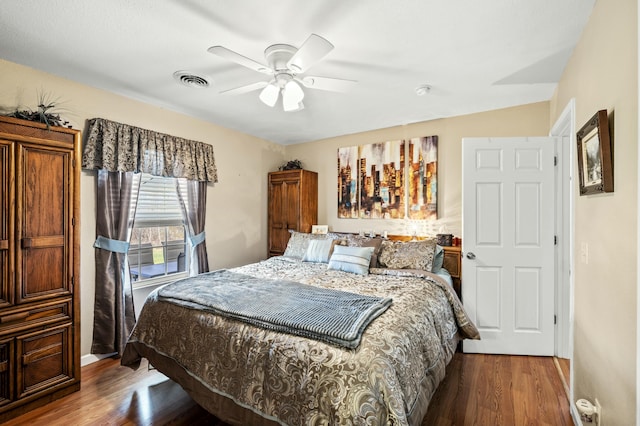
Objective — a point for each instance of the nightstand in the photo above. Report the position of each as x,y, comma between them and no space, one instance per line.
453,263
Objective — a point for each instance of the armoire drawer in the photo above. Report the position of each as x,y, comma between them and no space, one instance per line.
35,315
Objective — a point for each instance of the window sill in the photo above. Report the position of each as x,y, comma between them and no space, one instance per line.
155,282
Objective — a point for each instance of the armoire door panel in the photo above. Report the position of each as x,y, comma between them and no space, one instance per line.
44,174
277,226
6,373
44,359
6,223
293,204
45,239
44,272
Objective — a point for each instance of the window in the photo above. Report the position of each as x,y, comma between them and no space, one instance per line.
158,249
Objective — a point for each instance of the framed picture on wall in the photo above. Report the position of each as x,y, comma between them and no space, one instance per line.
595,166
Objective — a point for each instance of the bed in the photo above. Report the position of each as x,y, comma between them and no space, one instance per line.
249,374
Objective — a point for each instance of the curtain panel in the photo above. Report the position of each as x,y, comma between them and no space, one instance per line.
118,147
193,205
113,314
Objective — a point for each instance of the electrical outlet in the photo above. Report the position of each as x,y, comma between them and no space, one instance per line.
598,412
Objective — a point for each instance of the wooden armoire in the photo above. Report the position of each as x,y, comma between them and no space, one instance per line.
293,205
39,264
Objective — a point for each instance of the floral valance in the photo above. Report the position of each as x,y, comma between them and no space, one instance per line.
120,147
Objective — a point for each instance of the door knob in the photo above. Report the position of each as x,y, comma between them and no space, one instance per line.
471,255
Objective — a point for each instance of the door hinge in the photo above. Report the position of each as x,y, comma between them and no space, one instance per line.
73,163
555,160
73,221
555,240
555,319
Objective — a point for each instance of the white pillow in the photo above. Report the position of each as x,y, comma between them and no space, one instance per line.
318,251
351,259
299,242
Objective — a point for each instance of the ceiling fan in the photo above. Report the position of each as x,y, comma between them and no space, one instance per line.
286,64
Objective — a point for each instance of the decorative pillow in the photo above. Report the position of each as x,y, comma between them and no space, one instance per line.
351,259
438,259
298,243
319,251
408,254
358,241
336,236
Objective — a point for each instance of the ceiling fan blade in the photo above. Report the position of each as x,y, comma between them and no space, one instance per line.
311,51
327,83
245,89
232,56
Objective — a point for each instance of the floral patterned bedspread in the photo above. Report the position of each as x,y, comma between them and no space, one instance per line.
387,380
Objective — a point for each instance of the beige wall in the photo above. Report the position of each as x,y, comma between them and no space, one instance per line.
236,206
321,156
603,74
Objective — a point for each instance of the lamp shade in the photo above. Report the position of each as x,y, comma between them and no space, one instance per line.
269,94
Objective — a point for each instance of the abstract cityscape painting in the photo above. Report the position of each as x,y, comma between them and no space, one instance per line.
423,178
381,178
371,181
372,184
348,182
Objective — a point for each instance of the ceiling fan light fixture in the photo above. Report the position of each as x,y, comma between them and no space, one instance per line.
269,94
291,107
292,96
285,63
293,92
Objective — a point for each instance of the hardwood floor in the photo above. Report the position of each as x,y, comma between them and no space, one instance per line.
499,390
478,390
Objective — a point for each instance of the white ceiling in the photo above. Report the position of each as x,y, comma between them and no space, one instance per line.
476,55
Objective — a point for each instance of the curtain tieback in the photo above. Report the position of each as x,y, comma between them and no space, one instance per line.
197,239
115,246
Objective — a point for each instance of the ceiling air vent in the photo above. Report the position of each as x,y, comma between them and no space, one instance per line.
189,79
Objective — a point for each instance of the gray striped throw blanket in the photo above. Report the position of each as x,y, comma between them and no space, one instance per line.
331,316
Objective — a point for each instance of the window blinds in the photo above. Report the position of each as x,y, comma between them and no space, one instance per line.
158,203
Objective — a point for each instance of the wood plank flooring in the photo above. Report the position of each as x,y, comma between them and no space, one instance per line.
499,390
478,390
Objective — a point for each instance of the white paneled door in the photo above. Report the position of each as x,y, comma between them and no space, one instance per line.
508,244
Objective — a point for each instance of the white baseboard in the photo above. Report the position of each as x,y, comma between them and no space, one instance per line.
575,414
91,358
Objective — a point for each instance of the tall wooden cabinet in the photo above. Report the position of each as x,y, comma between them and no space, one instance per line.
293,204
39,265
